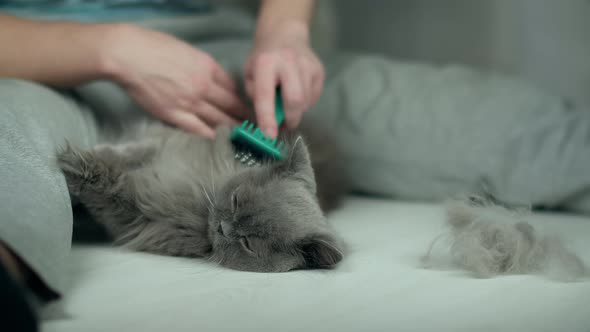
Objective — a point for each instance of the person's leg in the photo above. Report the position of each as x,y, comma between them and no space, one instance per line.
35,211
14,268
17,311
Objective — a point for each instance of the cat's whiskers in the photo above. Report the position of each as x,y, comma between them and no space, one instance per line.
227,165
235,255
297,141
212,257
219,259
211,204
214,192
213,186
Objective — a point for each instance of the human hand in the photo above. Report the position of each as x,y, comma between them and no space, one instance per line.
283,57
174,81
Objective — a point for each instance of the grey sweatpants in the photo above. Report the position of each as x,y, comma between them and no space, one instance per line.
409,131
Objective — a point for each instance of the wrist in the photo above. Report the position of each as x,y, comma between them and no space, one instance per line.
108,39
290,30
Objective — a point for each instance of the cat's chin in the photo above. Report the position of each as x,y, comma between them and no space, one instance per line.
260,268
225,252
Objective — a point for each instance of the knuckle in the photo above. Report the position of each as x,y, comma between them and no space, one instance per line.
288,55
296,99
184,102
264,60
197,109
263,92
264,117
199,87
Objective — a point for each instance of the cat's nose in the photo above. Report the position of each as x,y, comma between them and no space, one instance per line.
220,230
225,228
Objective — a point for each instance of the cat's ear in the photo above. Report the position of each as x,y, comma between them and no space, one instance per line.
319,252
298,164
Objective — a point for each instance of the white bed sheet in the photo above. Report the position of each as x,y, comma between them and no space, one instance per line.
380,286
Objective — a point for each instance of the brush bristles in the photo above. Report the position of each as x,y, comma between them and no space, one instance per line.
254,139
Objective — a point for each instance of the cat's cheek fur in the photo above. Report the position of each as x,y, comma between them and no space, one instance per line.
320,252
278,263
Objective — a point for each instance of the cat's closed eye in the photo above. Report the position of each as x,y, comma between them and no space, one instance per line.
234,200
245,242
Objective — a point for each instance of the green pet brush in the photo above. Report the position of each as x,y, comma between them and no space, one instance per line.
251,143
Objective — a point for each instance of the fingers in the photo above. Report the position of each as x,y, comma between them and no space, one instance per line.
312,73
189,122
217,104
227,101
293,94
212,115
300,76
201,120
317,85
265,80
309,93
221,77
250,87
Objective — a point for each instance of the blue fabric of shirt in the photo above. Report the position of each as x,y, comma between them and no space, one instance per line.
104,10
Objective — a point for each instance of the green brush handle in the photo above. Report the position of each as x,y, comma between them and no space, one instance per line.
279,112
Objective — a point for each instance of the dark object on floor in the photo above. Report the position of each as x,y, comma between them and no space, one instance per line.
17,314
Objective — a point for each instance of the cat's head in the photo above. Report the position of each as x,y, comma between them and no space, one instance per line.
267,219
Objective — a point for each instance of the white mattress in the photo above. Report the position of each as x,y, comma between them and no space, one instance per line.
380,286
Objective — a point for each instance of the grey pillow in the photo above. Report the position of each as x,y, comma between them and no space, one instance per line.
422,132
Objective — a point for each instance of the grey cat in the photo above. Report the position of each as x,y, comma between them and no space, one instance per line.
164,191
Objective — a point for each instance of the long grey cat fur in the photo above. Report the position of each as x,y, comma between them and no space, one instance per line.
161,190
489,240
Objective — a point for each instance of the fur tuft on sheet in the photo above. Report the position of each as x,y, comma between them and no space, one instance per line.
489,240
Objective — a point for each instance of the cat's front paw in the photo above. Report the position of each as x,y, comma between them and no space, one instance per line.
82,169
74,167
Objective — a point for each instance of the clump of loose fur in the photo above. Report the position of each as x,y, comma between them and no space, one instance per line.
489,240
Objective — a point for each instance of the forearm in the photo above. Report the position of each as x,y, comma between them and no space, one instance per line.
274,13
59,54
